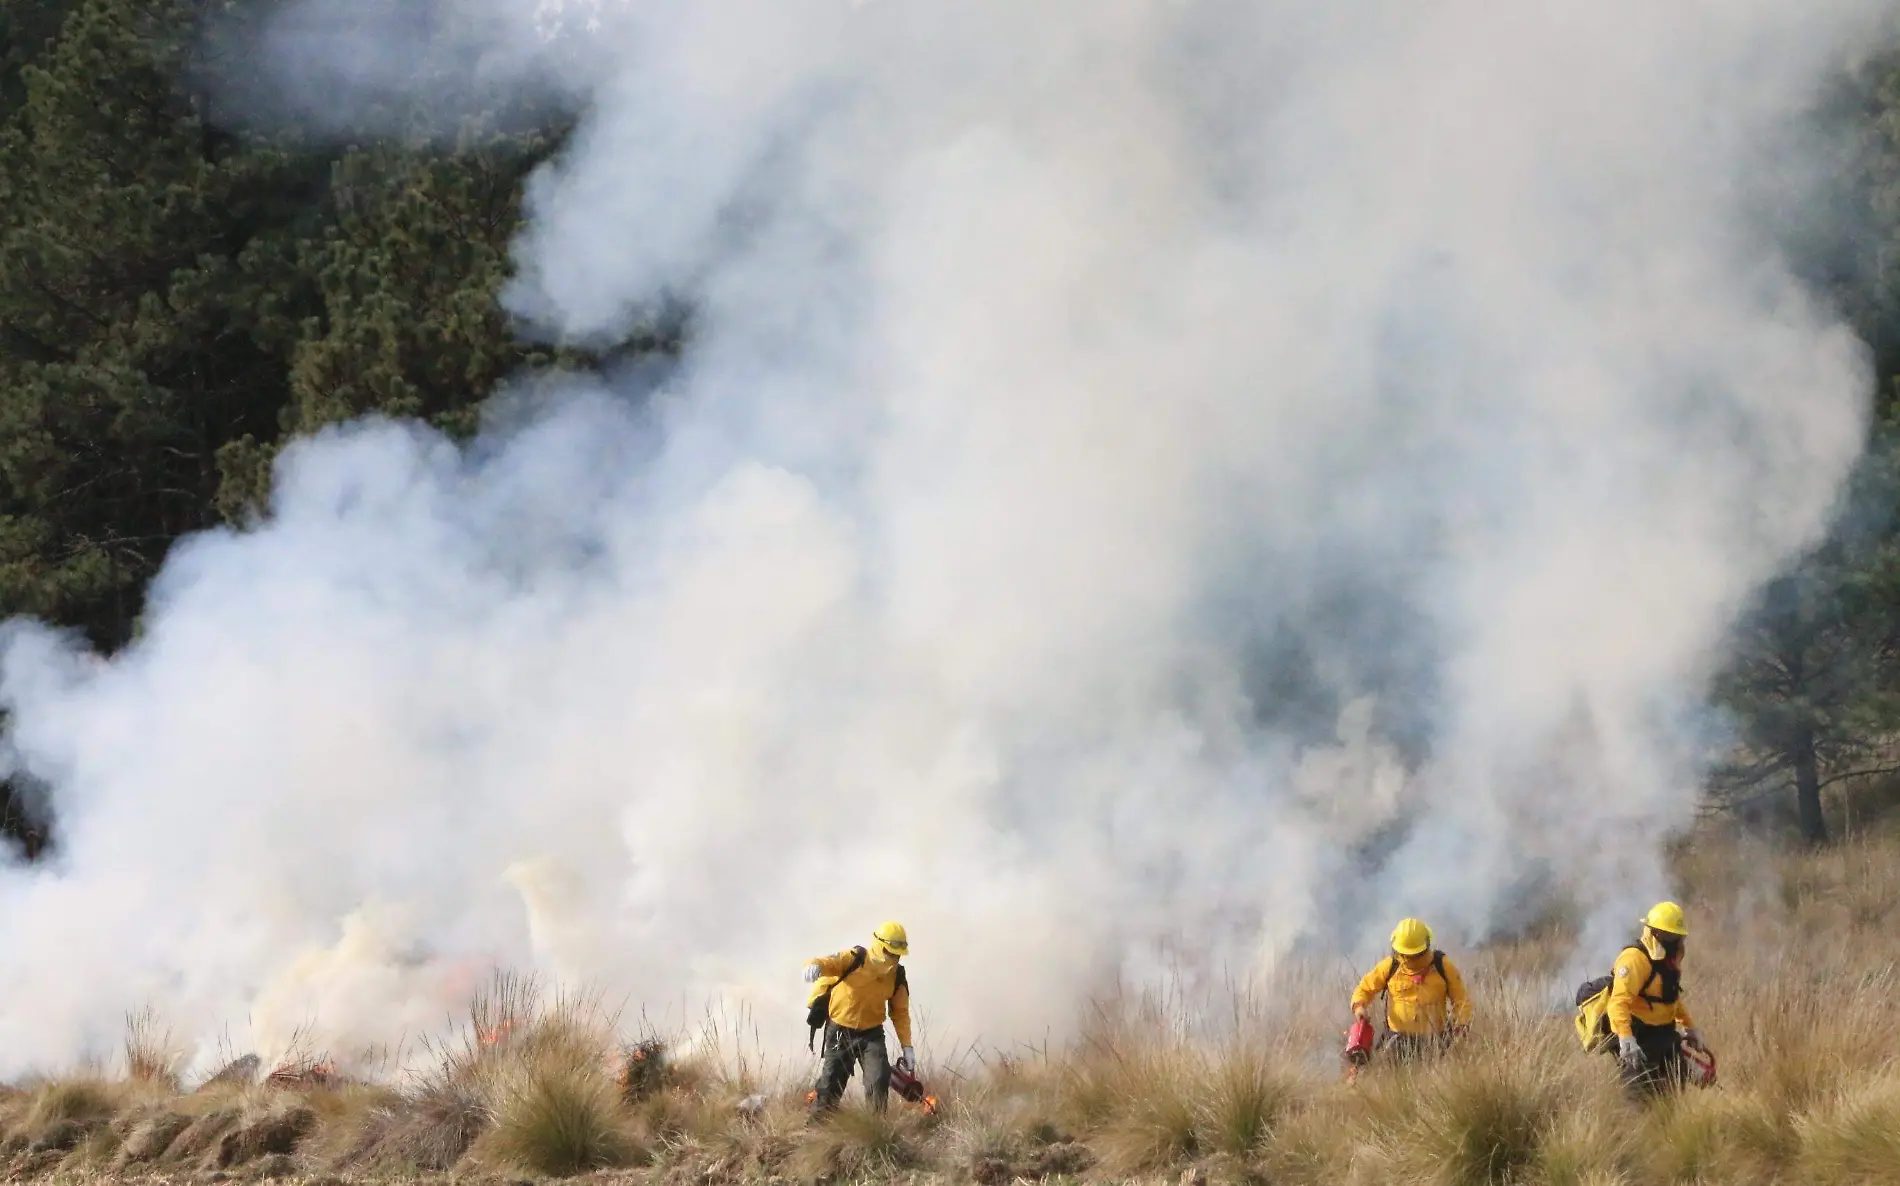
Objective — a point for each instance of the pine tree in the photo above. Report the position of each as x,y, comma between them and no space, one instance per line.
147,289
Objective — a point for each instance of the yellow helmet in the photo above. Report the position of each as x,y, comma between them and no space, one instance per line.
1667,918
891,935
1411,937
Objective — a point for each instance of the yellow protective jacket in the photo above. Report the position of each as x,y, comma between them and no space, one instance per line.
860,1000
1416,995
1638,991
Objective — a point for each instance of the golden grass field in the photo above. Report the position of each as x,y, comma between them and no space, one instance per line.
1792,967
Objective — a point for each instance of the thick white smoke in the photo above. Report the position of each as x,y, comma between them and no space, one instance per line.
1151,482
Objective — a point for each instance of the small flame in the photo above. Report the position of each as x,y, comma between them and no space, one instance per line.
292,1074
495,1033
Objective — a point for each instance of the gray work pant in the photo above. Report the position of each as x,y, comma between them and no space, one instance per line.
845,1050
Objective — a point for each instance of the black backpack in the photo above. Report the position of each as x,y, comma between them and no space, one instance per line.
820,1010
1591,988
1671,983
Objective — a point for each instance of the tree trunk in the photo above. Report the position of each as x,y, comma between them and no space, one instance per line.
1807,789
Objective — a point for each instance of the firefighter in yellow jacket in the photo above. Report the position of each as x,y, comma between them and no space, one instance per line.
1646,1011
864,983
1426,1004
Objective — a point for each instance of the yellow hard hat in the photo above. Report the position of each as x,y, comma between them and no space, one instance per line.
1667,918
892,936
1411,937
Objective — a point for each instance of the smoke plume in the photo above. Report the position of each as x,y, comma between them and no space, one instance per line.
1153,488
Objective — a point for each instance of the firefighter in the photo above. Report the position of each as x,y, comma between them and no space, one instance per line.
867,982
1426,1004
1646,1010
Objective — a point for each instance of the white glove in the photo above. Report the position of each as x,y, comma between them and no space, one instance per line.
1629,1053
908,1060
811,973
1694,1039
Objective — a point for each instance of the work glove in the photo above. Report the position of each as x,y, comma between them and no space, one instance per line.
908,1060
1359,1011
811,973
1629,1053
1694,1039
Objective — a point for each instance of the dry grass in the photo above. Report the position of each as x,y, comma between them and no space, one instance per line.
150,1054
1791,972
1142,1107
555,1109
1855,1139
855,1144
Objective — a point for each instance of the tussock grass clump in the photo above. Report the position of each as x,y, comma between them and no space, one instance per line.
1244,1096
97,1150
1000,1134
430,1130
57,1116
1463,1129
857,1144
147,1134
1855,1139
707,1133
1589,1142
1316,1142
85,1100
150,1054
349,1120
1146,1104
558,1120
1722,1137
275,1129
1142,1108
550,1088
447,1109
202,1135
1512,1104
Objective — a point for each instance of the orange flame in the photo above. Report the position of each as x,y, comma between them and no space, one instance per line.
495,1033
294,1074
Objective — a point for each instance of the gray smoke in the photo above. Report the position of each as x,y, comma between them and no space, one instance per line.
1152,484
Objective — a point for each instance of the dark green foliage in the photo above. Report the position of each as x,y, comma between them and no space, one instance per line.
137,288
176,298
409,272
1815,689
178,293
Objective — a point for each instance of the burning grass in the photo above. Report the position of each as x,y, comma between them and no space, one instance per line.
1793,980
